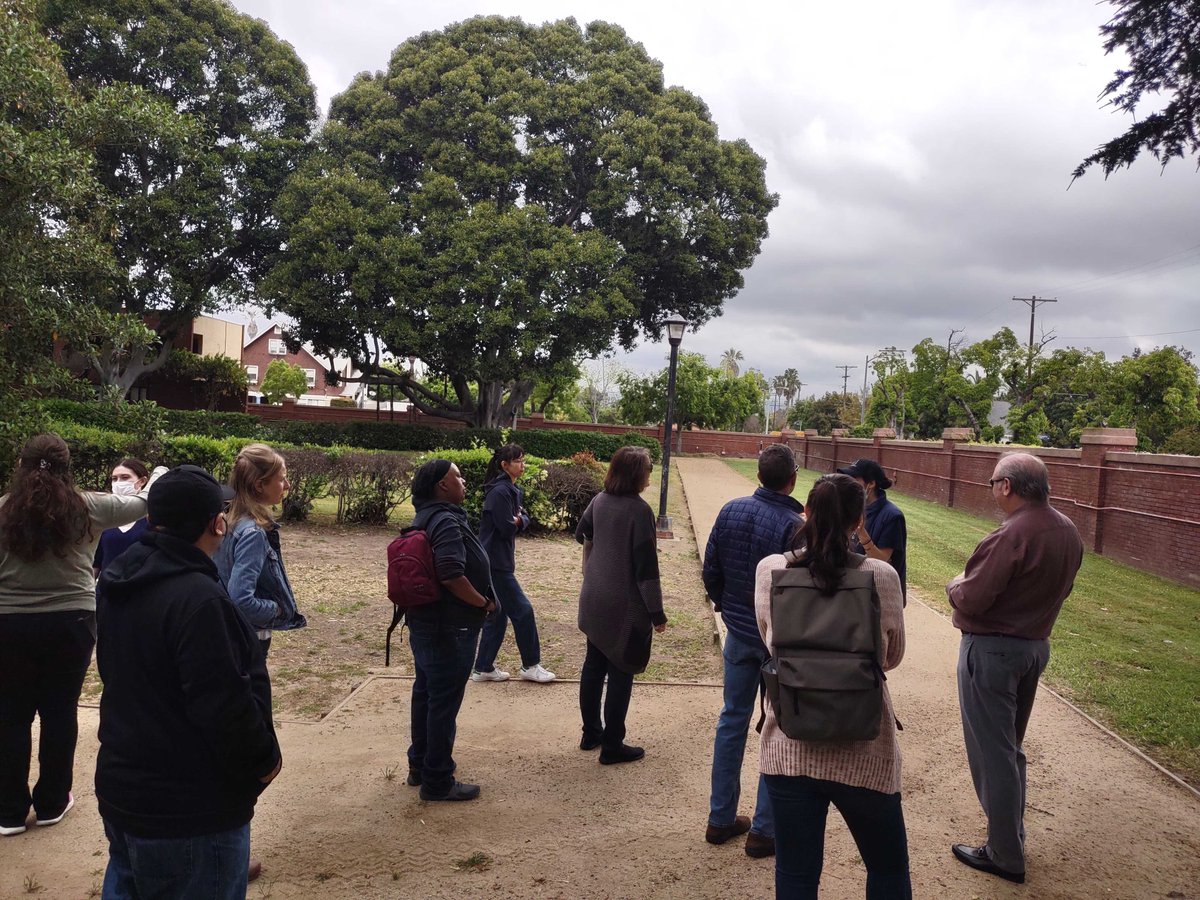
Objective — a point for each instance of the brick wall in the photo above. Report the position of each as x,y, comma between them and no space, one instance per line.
1142,509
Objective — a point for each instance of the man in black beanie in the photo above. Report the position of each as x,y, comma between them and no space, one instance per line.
186,739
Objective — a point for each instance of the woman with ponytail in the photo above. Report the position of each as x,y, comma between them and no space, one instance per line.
860,778
48,536
503,517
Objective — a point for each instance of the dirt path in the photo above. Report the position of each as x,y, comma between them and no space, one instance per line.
339,822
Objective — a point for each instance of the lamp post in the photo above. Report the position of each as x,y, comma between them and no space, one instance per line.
675,329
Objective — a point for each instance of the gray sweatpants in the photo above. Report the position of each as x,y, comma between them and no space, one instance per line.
997,683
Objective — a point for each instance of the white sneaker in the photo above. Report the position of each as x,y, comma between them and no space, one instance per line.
497,674
538,674
7,830
61,815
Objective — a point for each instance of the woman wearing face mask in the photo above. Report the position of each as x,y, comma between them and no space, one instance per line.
128,477
250,561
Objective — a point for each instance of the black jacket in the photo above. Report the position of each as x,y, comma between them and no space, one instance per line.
456,552
497,531
185,717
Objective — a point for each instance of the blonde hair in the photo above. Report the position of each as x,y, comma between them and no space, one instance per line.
254,465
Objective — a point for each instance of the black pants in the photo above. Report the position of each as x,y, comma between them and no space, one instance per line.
43,660
596,666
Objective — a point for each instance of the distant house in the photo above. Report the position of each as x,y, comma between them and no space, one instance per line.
204,336
271,345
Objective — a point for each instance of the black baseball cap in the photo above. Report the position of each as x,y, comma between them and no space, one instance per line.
184,500
867,470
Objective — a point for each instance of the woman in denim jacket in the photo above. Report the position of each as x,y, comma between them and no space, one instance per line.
249,559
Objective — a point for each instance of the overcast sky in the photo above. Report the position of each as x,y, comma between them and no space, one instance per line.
922,155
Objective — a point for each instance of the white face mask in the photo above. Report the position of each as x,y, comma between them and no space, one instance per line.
125,488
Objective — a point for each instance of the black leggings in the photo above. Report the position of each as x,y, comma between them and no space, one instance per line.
610,732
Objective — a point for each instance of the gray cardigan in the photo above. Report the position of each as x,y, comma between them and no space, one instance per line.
621,599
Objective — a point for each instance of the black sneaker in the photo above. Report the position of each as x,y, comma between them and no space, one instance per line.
621,754
589,743
414,778
458,791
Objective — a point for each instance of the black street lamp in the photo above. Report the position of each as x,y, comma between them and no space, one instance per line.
675,328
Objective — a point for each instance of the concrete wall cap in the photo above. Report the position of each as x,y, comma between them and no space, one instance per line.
884,433
1109,437
957,434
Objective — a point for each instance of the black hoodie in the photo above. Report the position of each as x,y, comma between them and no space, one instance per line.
185,717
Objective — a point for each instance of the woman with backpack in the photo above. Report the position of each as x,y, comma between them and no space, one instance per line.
443,634
250,559
620,604
503,517
48,535
859,777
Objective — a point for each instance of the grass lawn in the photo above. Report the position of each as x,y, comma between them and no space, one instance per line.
1126,647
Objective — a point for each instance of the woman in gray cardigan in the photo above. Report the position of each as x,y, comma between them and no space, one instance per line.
620,605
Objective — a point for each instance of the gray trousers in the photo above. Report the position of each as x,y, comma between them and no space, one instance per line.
997,683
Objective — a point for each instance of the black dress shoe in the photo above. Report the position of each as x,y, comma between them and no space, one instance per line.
589,743
719,834
978,858
414,778
621,754
458,791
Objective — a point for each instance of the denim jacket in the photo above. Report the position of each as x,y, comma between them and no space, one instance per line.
252,569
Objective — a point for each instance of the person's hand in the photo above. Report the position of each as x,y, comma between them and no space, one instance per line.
661,628
517,520
270,776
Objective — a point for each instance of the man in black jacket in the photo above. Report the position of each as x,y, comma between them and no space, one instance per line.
186,739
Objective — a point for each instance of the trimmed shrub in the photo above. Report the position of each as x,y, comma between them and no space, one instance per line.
370,485
309,471
570,487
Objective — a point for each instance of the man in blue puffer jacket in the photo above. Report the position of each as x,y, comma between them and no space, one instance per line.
747,530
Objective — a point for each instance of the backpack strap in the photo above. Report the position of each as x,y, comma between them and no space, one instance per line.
762,701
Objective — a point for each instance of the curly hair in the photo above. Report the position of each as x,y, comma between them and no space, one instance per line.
44,512
835,505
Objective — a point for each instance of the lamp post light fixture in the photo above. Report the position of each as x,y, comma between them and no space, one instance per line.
675,328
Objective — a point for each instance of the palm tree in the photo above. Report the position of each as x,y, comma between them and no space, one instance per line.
729,362
791,386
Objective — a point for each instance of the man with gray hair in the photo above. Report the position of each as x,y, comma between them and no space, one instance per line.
1005,603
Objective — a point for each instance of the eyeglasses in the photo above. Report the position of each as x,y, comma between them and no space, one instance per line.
992,482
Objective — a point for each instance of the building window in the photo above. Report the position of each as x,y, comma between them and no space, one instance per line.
311,375
277,347
252,374
198,344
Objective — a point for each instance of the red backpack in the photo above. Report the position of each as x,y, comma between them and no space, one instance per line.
412,580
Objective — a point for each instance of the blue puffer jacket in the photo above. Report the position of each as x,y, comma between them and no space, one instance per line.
747,530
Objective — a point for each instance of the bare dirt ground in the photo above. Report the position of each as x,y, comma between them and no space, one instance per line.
339,821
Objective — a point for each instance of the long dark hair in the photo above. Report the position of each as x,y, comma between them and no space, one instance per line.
44,512
835,504
507,453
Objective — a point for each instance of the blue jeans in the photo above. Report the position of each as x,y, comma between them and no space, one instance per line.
442,655
207,867
516,606
742,663
875,820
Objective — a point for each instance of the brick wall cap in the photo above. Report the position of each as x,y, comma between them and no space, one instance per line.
840,432
811,432
884,433
1109,437
957,434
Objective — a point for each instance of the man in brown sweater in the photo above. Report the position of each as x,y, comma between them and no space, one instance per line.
1005,604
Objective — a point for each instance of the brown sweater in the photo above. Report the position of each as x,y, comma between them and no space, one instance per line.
1018,577
874,765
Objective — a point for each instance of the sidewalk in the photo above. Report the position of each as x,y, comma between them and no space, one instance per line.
1100,822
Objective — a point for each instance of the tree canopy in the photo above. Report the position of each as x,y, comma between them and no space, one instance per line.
191,218
283,380
507,197
1162,41
705,396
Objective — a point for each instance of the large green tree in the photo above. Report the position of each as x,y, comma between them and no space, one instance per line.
54,232
506,197
191,222
705,396
1159,41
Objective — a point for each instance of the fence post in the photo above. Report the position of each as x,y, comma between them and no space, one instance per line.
1095,444
951,438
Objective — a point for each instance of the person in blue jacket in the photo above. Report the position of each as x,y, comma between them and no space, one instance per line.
747,530
503,517
249,559
883,533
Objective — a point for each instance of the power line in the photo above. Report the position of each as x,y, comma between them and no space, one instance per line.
1125,337
1067,288
1032,303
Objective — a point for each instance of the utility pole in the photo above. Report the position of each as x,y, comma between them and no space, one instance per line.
845,382
862,418
1032,303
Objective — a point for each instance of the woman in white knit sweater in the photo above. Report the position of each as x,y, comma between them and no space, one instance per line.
860,778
